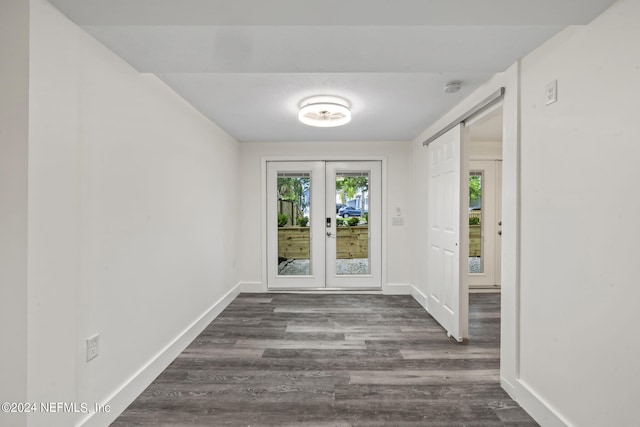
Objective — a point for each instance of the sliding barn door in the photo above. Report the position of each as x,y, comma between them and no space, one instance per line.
447,299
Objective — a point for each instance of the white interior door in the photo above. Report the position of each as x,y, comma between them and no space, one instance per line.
447,299
354,250
312,245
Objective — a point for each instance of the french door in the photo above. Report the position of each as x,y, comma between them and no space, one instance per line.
485,223
324,225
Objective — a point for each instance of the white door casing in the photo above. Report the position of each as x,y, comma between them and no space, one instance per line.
498,250
447,299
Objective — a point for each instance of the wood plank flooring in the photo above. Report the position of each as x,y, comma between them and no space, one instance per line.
333,360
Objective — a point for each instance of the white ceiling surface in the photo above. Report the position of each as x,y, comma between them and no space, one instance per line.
247,64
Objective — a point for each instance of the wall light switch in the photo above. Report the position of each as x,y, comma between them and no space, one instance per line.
552,92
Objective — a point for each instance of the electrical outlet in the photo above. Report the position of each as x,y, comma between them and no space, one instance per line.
92,347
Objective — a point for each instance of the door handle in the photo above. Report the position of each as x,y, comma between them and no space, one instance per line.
329,234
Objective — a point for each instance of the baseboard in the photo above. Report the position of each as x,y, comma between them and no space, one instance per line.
537,407
396,289
419,296
484,290
388,289
508,387
138,382
252,287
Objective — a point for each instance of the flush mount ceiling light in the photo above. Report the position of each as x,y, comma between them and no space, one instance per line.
325,111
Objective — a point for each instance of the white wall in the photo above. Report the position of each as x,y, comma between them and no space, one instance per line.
485,150
398,184
132,196
579,277
14,112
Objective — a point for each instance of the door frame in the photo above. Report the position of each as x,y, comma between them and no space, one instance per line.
328,158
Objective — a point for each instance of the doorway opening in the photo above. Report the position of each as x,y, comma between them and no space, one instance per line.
485,202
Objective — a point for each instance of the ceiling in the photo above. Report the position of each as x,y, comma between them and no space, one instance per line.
247,64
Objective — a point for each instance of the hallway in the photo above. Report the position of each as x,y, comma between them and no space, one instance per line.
333,360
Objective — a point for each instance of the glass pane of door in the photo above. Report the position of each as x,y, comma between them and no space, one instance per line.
293,216
476,260
352,223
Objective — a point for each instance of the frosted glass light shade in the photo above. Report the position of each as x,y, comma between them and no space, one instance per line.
325,111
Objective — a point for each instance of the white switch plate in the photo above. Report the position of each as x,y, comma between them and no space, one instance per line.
552,92
92,347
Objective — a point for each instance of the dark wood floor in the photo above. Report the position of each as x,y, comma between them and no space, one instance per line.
333,360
